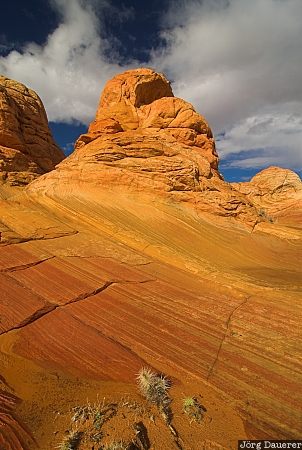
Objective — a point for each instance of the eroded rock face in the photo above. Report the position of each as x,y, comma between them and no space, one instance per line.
277,193
145,140
142,101
27,149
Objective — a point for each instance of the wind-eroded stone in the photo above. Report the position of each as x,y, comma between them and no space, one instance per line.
141,100
27,148
145,140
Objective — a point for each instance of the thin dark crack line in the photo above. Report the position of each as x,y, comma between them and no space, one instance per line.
23,240
25,266
255,224
227,325
48,307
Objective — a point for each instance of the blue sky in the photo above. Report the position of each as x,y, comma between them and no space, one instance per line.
238,61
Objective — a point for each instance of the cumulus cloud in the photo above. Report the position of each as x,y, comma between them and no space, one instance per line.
242,145
240,63
70,69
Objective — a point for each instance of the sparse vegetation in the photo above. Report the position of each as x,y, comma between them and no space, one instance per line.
263,214
91,418
81,413
193,408
154,387
95,425
71,441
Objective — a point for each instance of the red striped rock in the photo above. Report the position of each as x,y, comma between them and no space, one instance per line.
112,318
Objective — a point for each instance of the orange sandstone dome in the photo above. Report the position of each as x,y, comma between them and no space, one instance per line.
145,140
141,104
277,193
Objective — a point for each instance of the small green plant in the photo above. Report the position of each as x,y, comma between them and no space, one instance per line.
98,420
193,408
154,387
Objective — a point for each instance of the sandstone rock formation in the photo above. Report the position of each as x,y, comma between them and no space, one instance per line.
27,148
145,140
109,263
277,193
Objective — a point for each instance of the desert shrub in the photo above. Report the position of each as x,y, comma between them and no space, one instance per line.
154,387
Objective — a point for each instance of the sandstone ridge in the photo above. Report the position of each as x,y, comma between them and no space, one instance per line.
27,149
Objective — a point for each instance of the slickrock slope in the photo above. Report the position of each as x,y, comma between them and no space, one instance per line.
145,140
132,253
277,193
27,148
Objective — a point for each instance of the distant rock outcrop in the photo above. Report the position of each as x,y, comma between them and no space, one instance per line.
145,140
27,149
277,193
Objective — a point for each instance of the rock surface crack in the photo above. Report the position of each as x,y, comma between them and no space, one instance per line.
227,327
24,266
50,307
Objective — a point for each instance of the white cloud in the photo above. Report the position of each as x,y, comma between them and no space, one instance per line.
275,139
239,61
69,71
